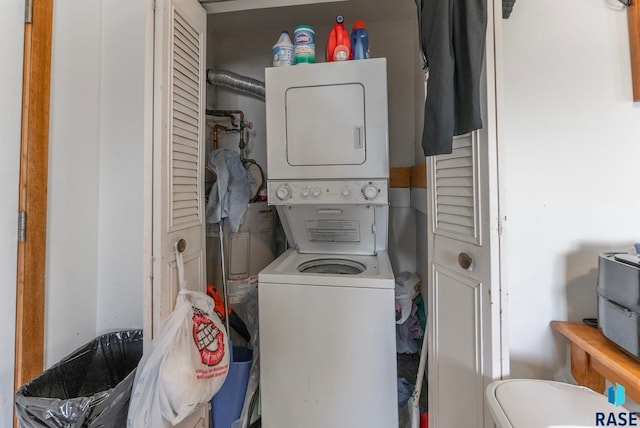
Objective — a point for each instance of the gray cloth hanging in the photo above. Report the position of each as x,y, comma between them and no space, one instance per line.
230,194
507,7
453,36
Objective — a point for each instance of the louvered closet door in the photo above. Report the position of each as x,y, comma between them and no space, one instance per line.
179,102
457,293
464,317
456,191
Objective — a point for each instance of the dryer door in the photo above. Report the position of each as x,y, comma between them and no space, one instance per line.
325,125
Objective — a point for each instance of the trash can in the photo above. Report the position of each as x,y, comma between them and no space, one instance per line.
226,405
90,387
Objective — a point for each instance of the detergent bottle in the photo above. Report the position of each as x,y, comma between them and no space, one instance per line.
283,50
359,40
338,44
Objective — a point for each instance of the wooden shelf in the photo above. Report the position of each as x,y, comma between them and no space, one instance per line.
595,358
415,176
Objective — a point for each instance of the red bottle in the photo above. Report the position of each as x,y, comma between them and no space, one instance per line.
338,44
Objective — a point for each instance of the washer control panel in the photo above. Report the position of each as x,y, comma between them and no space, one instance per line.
320,192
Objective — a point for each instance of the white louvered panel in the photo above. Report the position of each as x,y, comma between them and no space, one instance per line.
181,145
455,193
183,107
181,98
185,124
185,196
180,156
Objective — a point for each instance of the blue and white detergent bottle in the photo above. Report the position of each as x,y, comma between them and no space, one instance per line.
359,40
283,50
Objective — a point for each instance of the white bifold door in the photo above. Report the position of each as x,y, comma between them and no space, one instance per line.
179,100
178,157
465,320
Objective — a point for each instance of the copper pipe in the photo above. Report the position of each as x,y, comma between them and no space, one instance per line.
216,127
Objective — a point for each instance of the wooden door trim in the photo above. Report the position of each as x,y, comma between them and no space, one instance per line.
34,154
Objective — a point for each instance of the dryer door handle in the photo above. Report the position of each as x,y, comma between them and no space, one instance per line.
358,137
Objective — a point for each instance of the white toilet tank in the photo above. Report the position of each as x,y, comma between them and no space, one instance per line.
530,403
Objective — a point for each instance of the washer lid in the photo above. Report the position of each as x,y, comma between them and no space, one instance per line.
332,229
285,270
529,403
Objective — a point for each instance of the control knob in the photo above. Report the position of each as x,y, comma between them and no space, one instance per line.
305,192
370,191
283,192
316,192
346,191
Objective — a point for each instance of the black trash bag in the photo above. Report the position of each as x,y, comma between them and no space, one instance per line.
91,387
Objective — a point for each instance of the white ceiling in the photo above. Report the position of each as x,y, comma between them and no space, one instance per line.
322,14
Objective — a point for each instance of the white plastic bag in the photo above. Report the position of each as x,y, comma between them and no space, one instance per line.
186,364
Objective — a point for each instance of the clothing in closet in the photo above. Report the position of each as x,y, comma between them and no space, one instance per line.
453,42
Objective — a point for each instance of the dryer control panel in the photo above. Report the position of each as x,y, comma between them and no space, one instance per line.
328,192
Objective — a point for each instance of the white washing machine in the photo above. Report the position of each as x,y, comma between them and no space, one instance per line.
327,305
327,342
327,309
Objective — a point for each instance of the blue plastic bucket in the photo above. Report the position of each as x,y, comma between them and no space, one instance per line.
226,405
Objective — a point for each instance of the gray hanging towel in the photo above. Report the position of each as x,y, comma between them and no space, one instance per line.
230,194
507,8
453,42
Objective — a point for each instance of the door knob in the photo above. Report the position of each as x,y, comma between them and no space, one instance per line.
464,260
182,245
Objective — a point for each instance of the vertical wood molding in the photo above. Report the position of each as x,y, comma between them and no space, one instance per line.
30,287
633,16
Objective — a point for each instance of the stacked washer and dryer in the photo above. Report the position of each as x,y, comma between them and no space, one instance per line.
327,306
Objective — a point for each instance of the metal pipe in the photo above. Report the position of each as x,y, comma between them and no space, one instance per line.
216,127
240,128
229,114
236,81
225,289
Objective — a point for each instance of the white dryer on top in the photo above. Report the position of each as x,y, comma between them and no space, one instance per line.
328,121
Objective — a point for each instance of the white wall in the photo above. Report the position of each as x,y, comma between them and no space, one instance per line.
95,227
570,167
74,165
402,231
11,52
120,252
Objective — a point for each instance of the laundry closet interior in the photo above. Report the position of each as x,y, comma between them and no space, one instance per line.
239,41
